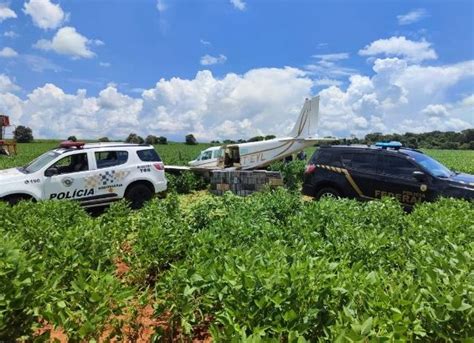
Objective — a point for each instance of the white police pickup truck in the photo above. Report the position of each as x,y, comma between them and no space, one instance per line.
93,174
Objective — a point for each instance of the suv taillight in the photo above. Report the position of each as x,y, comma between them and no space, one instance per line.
159,166
310,168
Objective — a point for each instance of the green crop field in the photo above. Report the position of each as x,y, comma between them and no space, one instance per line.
271,267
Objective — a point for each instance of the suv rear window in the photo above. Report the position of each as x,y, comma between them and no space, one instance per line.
148,155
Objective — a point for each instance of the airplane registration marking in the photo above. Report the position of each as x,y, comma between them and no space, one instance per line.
253,158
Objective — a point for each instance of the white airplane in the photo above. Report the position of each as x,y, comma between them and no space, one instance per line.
259,154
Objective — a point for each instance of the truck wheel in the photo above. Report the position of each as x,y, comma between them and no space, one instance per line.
327,192
137,195
12,200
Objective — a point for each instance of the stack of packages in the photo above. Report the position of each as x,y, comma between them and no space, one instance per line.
243,182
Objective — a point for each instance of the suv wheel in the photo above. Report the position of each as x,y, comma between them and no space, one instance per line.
137,195
12,200
328,192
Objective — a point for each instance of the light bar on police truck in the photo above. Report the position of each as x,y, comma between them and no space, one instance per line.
71,145
392,144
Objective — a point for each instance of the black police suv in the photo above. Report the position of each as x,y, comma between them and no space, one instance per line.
384,169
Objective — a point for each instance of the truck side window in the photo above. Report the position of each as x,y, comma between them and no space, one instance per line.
106,159
325,157
72,164
360,162
398,167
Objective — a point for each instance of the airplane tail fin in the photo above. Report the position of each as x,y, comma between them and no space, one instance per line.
306,124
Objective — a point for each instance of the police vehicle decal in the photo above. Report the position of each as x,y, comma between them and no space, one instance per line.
347,175
77,193
144,168
106,179
406,197
67,181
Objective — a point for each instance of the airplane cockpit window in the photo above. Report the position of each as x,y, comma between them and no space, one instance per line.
206,155
217,153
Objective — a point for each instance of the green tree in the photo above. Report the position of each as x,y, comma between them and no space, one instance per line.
150,139
23,134
135,139
190,139
256,139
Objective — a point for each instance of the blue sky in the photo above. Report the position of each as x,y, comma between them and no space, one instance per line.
232,69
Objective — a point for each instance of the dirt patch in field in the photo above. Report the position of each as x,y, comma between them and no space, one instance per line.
121,268
137,327
201,332
55,334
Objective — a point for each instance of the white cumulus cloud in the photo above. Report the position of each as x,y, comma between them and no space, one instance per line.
261,101
412,16
6,12
8,52
45,14
328,67
238,4
207,60
401,47
468,101
7,85
396,97
10,34
435,111
68,41
333,57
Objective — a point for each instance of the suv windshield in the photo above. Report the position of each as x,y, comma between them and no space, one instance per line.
434,167
40,162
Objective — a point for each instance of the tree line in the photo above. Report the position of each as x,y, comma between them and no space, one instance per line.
427,140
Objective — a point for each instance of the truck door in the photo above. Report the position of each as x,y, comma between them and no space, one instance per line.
67,178
399,182
363,173
112,174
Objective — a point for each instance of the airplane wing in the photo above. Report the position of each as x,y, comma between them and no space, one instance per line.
309,139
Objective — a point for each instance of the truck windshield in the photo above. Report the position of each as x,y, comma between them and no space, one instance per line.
434,167
40,162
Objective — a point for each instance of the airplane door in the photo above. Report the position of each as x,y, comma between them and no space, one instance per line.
70,179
